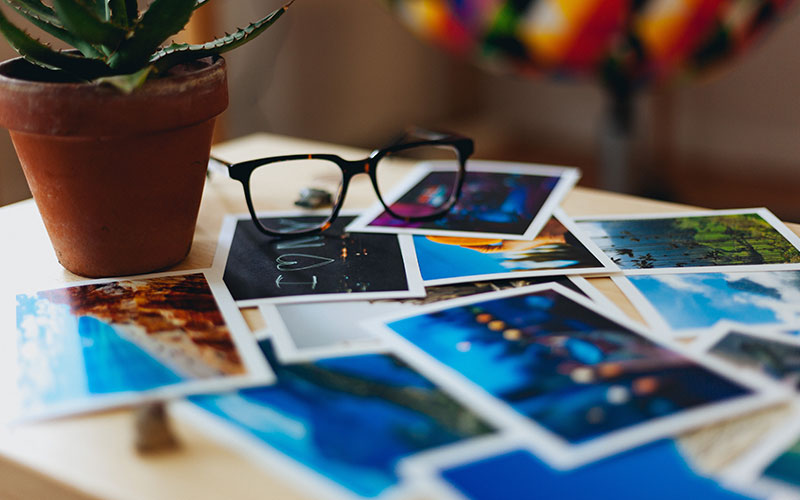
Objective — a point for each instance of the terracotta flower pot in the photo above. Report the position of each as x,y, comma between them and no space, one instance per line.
117,178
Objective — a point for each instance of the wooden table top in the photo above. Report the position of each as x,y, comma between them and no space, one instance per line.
93,456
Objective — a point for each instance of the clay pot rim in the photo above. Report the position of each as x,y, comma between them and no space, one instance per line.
203,68
65,105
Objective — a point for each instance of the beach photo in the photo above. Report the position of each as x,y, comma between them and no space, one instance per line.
91,346
559,249
695,241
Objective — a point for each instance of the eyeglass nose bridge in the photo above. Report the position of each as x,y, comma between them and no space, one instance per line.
355,167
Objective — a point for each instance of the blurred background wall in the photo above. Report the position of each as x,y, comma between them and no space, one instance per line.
345,71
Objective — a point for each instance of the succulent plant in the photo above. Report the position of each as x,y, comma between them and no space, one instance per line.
114,41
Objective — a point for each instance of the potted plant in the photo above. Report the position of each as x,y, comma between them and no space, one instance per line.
114,136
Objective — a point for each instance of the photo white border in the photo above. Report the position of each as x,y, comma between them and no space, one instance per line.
416,288
554,450
764,213
288,352
597,296
258,371
747,471
652,317
568,177
721,330
607,266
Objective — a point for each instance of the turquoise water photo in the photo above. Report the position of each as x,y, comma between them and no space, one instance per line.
350,419
81,346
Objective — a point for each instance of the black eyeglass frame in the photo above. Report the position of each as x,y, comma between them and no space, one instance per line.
463,146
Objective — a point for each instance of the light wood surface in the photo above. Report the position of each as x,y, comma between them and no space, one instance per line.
93,456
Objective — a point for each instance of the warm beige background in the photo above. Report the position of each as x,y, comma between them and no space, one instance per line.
345,71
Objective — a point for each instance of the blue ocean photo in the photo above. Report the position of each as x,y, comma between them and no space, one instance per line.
656,471
688,301
349,419
567,368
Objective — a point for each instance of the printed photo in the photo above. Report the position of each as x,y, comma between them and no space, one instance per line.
306,332
498,199
110,343
772,468
774,355
687,304
333,265
695,241
558,249
349,420
582,384
786,467
498,468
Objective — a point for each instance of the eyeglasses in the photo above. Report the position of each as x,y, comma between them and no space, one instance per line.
263,180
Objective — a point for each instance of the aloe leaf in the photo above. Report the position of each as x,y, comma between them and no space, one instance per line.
132,7
54,28
127,83
39,53
161,20
84,23
181,52
117,12
35,8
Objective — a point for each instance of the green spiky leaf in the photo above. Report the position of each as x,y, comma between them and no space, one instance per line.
162,19
39,53
36,8
83,22
132,7
117,12
53,26
180,52
128,83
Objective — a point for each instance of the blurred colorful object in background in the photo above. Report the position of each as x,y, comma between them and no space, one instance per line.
624,42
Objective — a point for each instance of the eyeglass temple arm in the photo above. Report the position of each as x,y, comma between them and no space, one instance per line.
217,166
415,132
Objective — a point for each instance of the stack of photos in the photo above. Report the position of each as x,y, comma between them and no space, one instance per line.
472,346
580,384
466,357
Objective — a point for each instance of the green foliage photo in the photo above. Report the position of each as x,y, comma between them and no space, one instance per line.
114,41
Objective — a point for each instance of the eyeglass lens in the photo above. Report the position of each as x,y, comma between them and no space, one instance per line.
321,178
433,194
